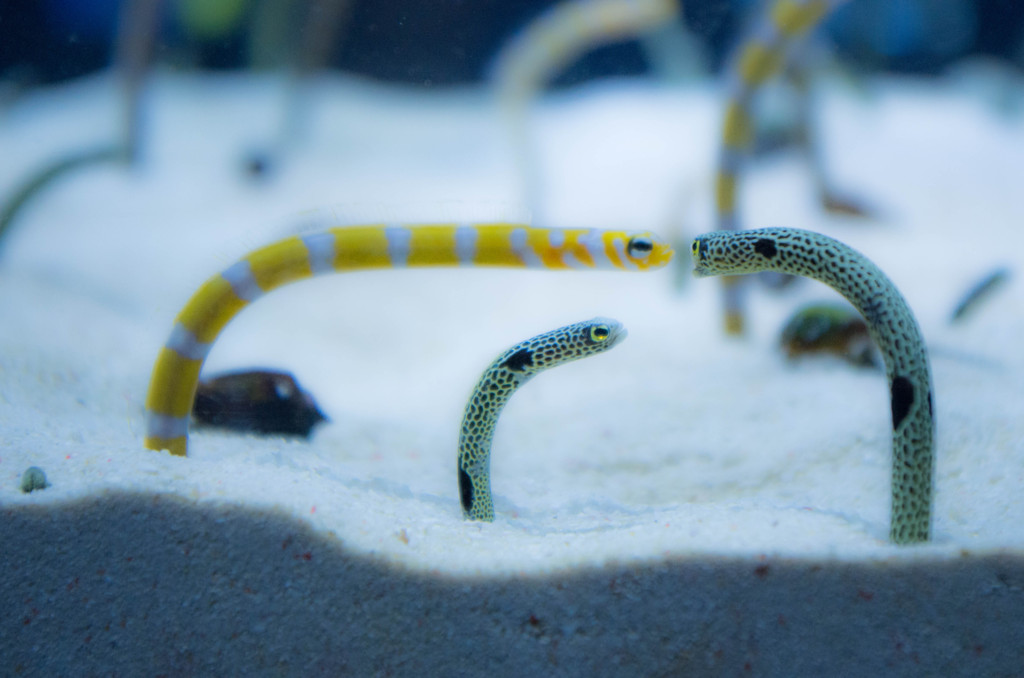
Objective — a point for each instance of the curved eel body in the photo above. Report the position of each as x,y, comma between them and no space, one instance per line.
548,44
508,372
175,376
891,325
760,57
565,31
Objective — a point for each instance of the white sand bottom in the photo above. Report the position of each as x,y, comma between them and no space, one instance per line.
682,505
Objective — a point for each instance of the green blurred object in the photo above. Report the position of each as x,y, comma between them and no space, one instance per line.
980,292
33,479
211,18
833,328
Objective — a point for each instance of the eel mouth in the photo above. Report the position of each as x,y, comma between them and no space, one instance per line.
698,253
616,335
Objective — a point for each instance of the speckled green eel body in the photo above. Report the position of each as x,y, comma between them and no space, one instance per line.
508,372
892,326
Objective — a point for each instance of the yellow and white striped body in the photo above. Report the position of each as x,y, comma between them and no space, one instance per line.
176,373
760,57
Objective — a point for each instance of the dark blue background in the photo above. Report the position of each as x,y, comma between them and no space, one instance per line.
438,42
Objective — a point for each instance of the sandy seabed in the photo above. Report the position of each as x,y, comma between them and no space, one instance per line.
684,505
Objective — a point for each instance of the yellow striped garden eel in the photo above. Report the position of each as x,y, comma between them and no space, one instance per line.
892,326
508,372
761,57
172,386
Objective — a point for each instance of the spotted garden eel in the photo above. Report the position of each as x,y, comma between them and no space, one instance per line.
508,372
760,57
890,323
175,376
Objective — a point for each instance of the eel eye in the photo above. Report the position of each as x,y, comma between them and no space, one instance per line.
599,333
639,247
695,247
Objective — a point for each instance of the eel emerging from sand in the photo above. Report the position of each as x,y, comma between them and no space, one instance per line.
892,326
508,372
762,55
